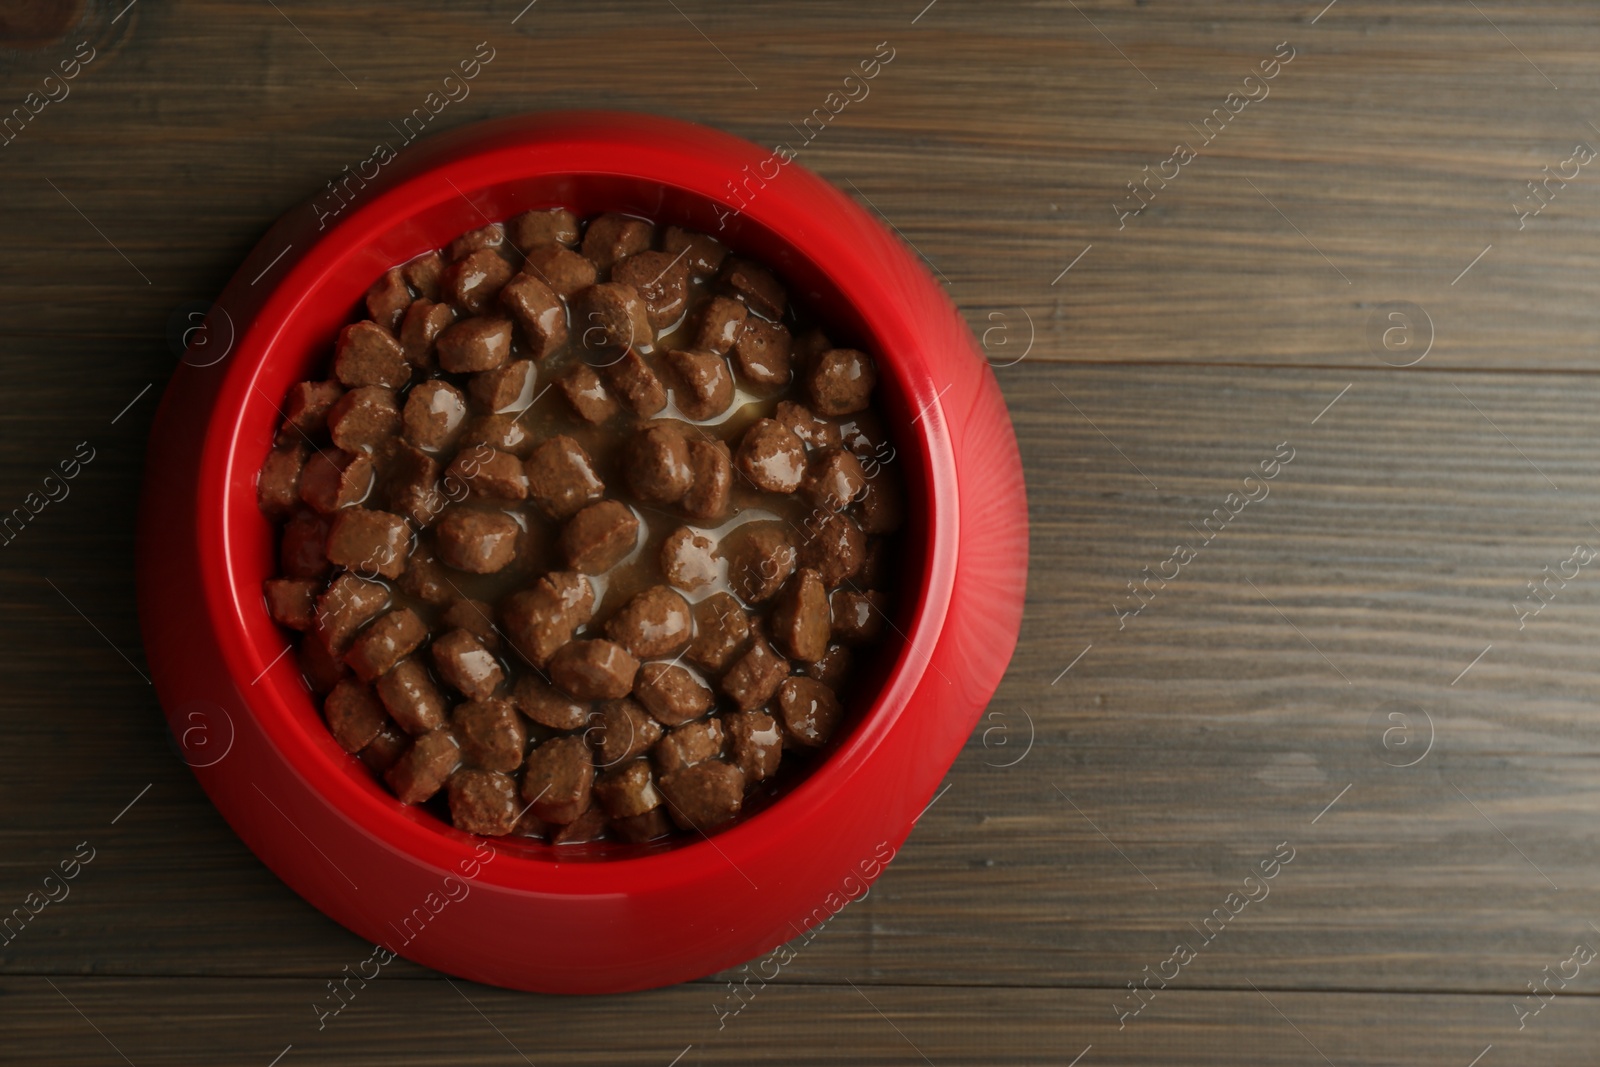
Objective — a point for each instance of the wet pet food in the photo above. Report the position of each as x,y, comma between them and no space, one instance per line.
583,530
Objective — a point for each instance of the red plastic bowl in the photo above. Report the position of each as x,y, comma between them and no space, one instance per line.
588,919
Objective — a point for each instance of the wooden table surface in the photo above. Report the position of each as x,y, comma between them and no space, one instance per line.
1378,262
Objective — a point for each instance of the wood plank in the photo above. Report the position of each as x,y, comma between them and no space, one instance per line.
1192,742
1386,156
393,1021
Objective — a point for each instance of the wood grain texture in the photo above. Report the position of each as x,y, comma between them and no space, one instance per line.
1361,616
1385,157
394,1021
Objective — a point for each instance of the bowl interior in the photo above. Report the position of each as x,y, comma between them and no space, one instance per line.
297,343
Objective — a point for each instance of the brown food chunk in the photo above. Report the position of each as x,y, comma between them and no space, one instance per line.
348,604
473,345
505,389
412,698
754,742
548,706
321,668
755,676
303,553
661,280
538,311
466,665
834,479
388,299
671,693
562,478
382,751
721,631
689,559
687,745
483,802
636,384
423,324
371,543
490,236
488,473
721,322
563,270
355,718
755,285
620,730
831,669
433,415
491,734
587,394
367,354
707,499
613,237
479,542
427,579
539,229
761,353
412,485
810,710
702,386
840,382
704,795
425,767
364,418
474,616
504,433
760,559
882,506
530,825
292,602
800,622
594,670
627,790
638,829
655,623
305,412
559,781
538,621
599,537
655,464
705,253
423,274
278,486
610,317
333,479
473,281
857,617
385,643
815,432
590,826
834,547
772,457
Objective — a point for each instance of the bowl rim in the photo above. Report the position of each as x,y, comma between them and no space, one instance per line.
227,467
